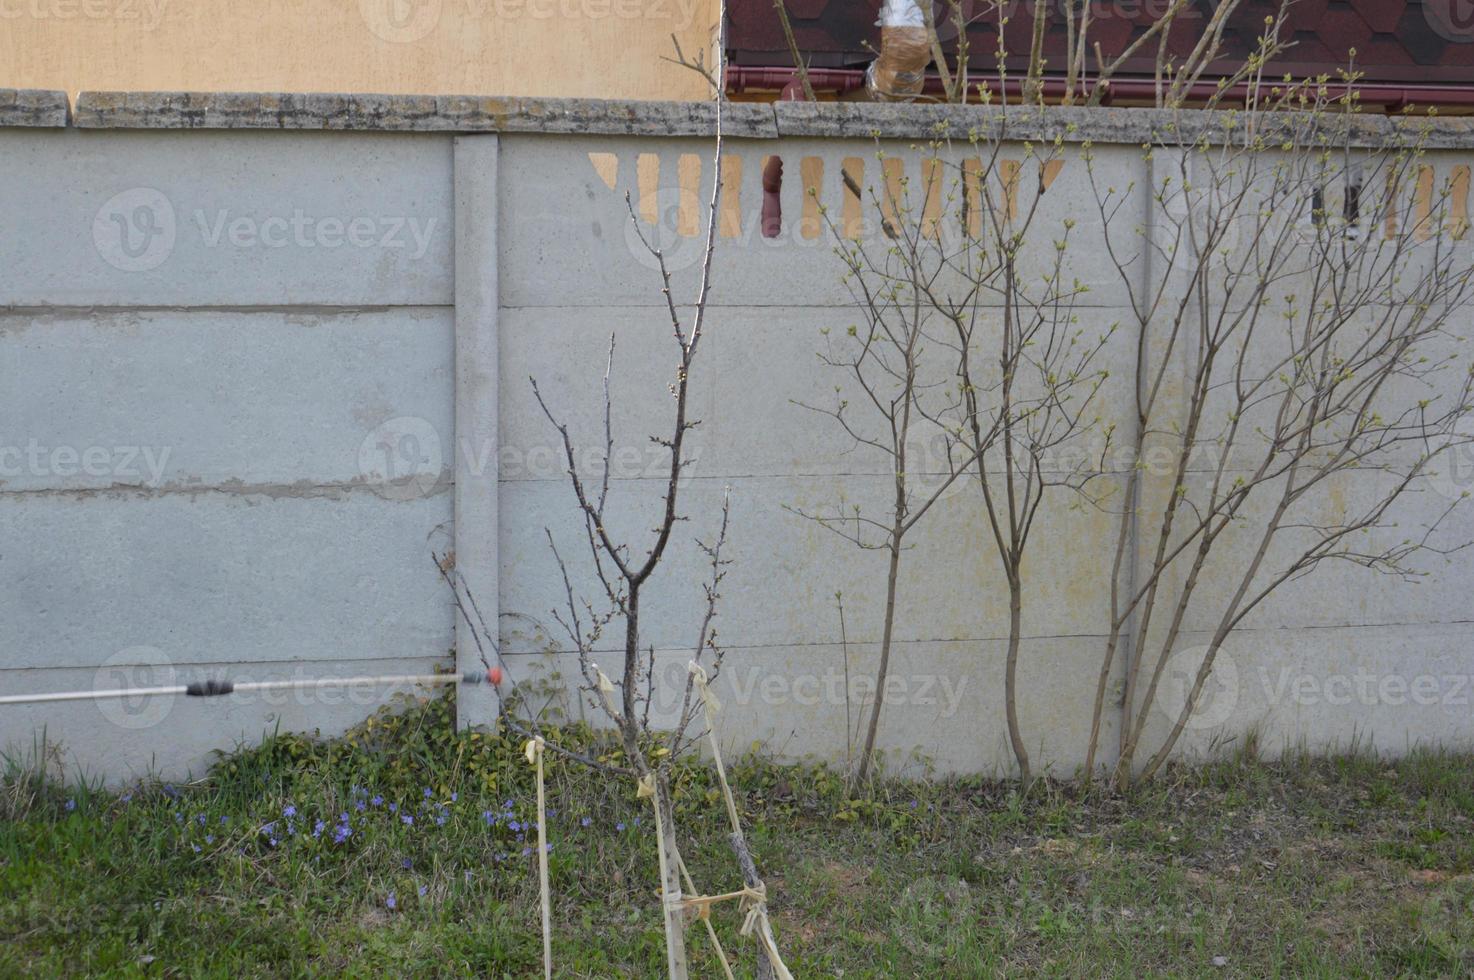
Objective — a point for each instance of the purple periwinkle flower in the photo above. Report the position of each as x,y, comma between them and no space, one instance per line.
423,890
317,828
209,838
342,833
406,864
409,821
377,800
71,805
619,826
586,821
389,902
289,811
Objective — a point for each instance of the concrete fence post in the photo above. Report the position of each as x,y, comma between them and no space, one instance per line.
475,444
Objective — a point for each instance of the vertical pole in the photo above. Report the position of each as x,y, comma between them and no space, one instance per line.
475,444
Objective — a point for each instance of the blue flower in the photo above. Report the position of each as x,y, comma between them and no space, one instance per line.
209,838
586,821
393,807
289,811
489,817
196,848
317,828
389,902
428,794
71,805
377,800
423,890
454,797
409,821
619,826
406,864
342,834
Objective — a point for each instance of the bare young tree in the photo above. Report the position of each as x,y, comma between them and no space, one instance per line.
623,571
970,365
1302,268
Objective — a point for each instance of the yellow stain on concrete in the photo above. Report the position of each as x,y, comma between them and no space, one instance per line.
1458,191
811,172
606,165
1049,172
731,206
1009,171
1423,204
931,208
688,176
647,176
894,198
972,195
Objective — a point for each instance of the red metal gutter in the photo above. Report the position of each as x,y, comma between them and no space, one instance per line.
840,81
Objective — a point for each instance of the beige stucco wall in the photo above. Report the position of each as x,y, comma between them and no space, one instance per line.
595,48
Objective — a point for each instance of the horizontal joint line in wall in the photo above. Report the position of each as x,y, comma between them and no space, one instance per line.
852,642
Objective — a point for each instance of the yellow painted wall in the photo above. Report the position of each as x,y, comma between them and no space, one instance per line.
593,48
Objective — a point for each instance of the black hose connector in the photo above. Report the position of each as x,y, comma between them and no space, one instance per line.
209,689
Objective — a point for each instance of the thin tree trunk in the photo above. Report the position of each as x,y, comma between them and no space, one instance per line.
1010,683
751,878
885,655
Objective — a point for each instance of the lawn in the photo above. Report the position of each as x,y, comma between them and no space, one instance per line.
403,849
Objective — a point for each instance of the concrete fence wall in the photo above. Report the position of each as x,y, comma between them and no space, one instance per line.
261,355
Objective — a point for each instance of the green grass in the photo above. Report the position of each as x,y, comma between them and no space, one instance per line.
1349,866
